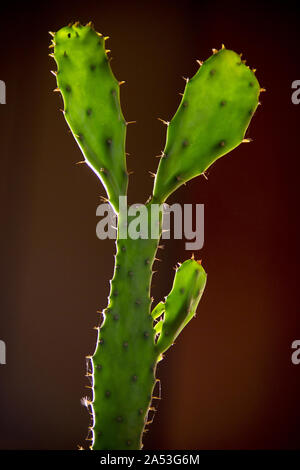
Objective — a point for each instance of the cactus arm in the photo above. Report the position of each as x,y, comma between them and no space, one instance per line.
158,310
91,105
212,118
181,303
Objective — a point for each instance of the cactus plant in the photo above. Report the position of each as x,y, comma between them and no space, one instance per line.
212,118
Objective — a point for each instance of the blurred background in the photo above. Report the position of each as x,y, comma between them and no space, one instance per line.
229,382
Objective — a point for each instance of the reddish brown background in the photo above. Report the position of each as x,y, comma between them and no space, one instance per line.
229,382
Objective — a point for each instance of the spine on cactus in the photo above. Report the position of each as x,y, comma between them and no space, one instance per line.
215,111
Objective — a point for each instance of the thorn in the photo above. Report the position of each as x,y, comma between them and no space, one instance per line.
157,259
51,33
254,70
130,122
79,163
107,51
56,90
53,72
90,24
193,256
186,79
164,122
162,247
241,54
149,422
52,46
106,38
259,103
121,82
130,172
181,94
152,174
76,24
244,61
245,141
203,174
199,261
200,62
215,51
99,34
223,46
104,199
162,155
51,55
262,90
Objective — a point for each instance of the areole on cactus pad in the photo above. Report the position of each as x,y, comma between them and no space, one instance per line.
214,114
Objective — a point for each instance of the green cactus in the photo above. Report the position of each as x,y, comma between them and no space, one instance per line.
217,106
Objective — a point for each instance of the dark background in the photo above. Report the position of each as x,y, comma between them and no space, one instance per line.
229,382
